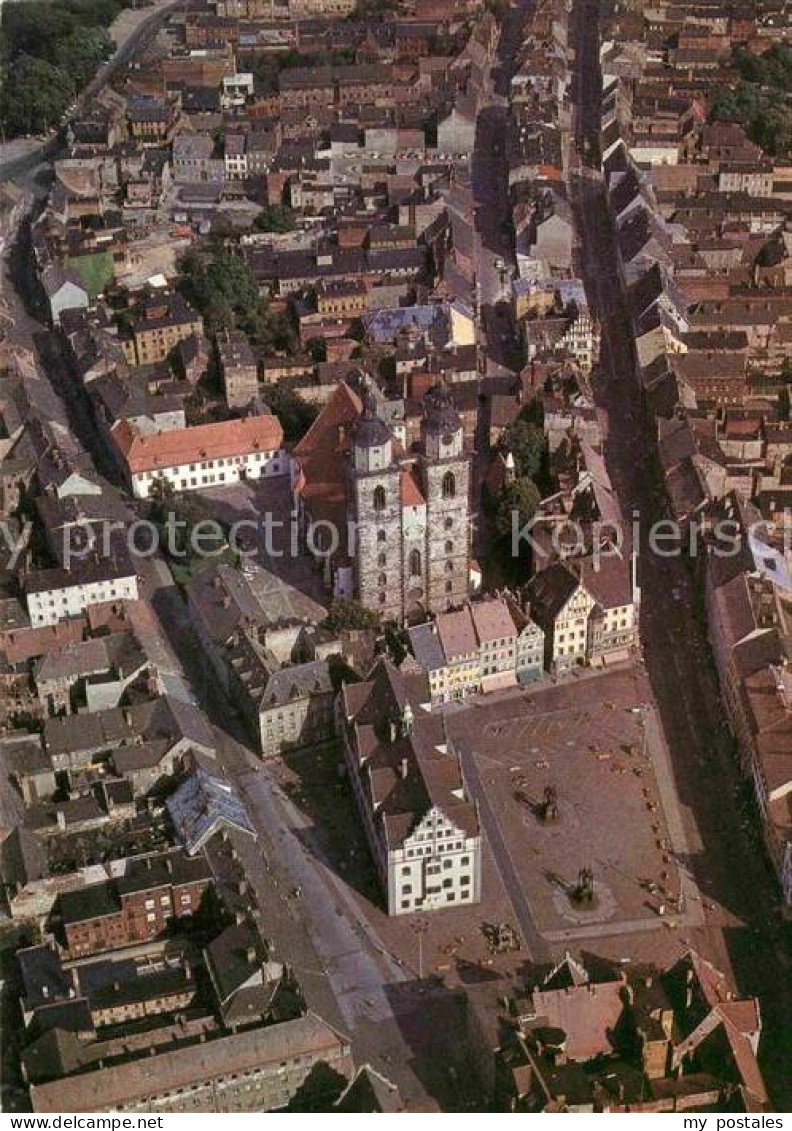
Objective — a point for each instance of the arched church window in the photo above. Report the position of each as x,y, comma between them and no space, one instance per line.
449,485
415,563
379,498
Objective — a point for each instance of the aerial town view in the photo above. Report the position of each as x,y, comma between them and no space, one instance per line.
395,558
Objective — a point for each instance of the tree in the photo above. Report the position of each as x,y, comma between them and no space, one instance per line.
295,414
526,441
275,218
177,515
222,287
347,613
49,50
760,100
35,95
518,502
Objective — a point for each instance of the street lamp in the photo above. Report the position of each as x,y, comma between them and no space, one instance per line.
420,928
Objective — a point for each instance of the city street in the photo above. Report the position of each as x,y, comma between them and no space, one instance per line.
494,236
728,864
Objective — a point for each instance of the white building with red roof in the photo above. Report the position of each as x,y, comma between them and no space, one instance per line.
208,455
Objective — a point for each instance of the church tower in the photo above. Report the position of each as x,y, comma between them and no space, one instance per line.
447,489
376,511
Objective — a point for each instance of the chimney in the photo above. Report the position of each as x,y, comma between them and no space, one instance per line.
404,769
250,955
60,817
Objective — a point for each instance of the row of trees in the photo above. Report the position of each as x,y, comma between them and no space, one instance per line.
49,52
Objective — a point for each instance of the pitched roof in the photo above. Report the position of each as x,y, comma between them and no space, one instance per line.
407,771
457,634
323,473
192,445
133,1082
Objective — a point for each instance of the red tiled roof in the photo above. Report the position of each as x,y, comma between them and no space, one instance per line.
492,620
191,445
319,455
457,634
411,492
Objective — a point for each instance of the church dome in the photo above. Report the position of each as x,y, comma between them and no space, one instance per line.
441,416
370,431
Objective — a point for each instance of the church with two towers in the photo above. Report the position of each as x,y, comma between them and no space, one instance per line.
405,515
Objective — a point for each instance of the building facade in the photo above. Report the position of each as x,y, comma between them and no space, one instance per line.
422,829
484,646
238,367
257,1069
207,455
135,907
53,595
412,548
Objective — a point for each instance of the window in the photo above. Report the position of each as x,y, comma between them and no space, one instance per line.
379,499
449,587
415,563
382,558
449,547
449,485
381,536
382,579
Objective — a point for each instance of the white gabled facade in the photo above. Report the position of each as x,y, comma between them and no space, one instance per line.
437,866
570,633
